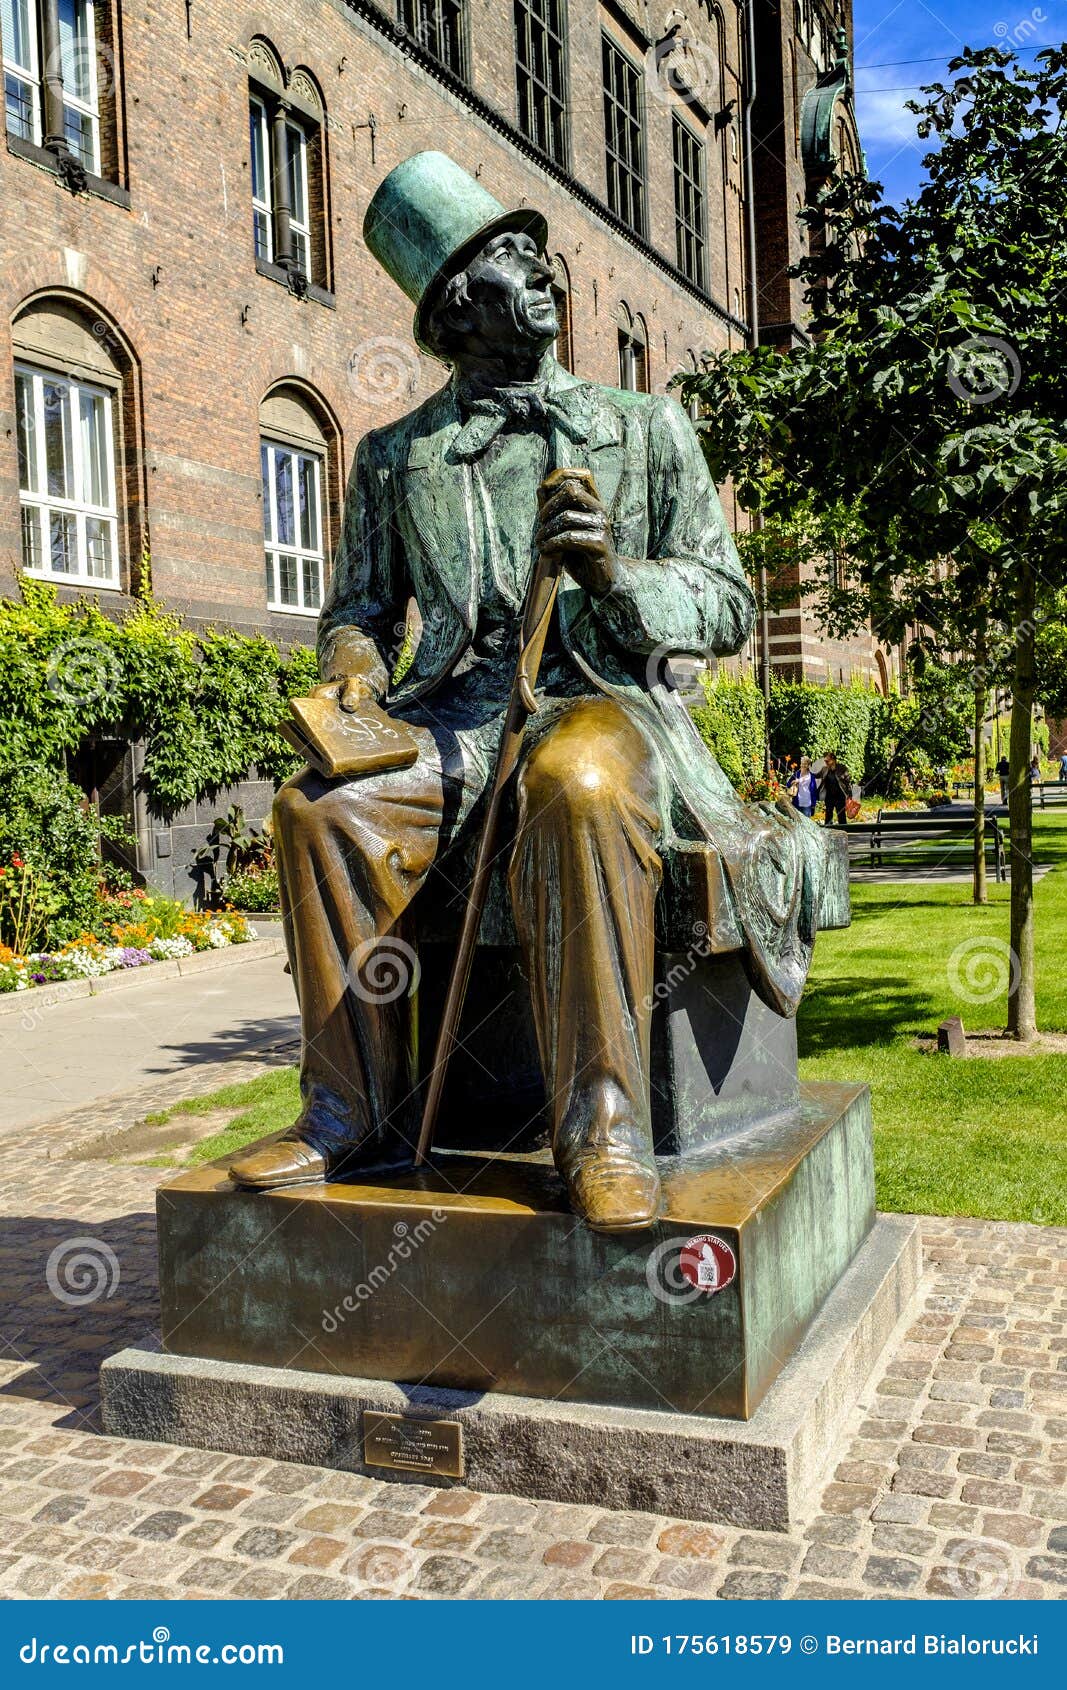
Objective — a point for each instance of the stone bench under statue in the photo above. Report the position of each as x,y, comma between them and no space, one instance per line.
722,1059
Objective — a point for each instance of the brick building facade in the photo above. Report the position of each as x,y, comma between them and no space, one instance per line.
192,335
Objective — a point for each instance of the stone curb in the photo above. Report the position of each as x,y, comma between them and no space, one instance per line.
61,991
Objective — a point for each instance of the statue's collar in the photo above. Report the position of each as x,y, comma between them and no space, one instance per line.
554,399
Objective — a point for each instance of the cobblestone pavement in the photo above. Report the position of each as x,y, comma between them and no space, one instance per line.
951,1480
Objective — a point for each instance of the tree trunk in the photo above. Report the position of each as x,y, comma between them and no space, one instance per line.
1022,1023
981,699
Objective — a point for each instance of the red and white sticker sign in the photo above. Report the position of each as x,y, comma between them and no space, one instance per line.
708,1263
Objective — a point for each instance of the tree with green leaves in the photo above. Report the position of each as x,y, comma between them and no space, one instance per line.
930,402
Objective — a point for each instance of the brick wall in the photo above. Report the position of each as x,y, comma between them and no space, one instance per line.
174,271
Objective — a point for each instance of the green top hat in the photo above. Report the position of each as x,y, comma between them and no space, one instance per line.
428,217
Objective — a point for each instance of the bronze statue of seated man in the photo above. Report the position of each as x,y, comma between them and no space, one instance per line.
443,509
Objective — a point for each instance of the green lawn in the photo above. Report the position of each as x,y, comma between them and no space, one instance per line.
978,1136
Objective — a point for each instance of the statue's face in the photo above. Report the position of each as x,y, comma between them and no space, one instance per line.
510,296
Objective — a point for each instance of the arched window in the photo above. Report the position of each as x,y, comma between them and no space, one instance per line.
74,418
633,351
299,457
561,293
287,146
883,674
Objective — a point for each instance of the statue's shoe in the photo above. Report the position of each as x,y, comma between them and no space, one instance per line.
614,1190
293,1160
290,1160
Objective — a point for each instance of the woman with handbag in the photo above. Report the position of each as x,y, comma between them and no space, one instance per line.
836,788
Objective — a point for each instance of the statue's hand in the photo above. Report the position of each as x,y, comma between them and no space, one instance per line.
575,525
348,690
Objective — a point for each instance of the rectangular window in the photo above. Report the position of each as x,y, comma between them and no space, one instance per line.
540,60
261,195
22,77
299,206
66,459
24,72
624,137
689,204
77,57
438,26
292,528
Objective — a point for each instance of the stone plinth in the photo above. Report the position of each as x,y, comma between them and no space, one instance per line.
757,1473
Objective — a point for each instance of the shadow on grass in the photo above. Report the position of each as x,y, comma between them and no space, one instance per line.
855,1012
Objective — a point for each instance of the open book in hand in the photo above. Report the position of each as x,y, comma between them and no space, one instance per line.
337,742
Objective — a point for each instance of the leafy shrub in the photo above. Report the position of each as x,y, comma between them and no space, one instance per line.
732,725
253,889
808,720
205,705
48,825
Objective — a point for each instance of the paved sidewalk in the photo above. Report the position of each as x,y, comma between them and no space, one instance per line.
63,1056
951,1480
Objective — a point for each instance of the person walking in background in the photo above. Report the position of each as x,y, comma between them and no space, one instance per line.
1003,772
804,788
1063,769
1035,771
836,789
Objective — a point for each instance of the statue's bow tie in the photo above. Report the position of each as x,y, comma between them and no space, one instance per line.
531,407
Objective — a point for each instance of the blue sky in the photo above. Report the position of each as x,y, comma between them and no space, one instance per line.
891,31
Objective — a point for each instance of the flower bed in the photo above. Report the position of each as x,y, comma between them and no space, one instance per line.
164,930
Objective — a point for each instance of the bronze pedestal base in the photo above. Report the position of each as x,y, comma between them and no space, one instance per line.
473,1274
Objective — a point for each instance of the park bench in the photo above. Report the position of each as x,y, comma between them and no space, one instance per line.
894,830
1049,794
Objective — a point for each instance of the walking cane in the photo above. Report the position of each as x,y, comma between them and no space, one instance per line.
536,616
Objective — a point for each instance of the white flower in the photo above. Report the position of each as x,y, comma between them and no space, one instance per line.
164,949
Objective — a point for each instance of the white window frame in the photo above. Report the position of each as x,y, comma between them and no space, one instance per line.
90,107
28,75
273,550
300,216
47,504
262,204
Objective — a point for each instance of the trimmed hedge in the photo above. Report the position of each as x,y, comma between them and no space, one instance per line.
880,740
732,725
809,720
